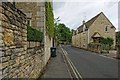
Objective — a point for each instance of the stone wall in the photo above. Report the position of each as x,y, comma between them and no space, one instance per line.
118,51
18,58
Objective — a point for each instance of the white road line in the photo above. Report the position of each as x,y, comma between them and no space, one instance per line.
74,66
75,71
66,65
67,60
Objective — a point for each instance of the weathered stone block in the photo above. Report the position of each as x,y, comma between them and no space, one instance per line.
17,50
11,63
5,71
1,52
4,59
13,56
1,42
12,47
0,23
1,8
4,18
8,52
1,36
5,64
1,29
8,37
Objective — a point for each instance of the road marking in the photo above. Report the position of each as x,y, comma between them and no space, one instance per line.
75,71
67,65
74,67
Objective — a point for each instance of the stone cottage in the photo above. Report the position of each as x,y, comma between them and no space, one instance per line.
93,29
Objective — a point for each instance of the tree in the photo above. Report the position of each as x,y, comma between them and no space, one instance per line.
63,34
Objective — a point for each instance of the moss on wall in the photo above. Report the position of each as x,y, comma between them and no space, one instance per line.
49,19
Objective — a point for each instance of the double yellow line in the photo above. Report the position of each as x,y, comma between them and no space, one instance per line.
74,74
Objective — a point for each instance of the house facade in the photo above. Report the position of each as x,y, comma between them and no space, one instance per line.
92,30
35,12
36,18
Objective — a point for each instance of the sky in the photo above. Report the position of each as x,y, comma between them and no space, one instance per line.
73,12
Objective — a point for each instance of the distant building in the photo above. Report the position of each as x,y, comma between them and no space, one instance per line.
92,30
35,12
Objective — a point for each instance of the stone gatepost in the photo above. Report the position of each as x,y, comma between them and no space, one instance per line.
118,51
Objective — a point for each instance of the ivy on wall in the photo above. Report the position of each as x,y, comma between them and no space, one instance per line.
34,35
49,19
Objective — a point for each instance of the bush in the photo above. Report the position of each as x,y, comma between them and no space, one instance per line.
106,42
34,35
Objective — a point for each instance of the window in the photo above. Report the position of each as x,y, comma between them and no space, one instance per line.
106,28
29,22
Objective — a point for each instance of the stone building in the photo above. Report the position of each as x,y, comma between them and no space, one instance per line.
36,18
90,31
35,12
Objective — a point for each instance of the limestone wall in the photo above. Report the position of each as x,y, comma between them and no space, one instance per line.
18,58
118,51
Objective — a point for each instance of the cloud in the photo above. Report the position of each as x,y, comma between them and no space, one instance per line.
73,13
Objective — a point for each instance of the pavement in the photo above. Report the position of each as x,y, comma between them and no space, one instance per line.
56,68
111,54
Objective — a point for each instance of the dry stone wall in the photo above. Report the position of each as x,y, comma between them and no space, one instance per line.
18,58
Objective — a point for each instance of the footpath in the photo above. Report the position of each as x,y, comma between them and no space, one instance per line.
56,68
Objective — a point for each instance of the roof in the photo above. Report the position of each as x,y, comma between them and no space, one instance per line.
95,35
90,22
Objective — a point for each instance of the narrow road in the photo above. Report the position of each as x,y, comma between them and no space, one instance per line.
91,65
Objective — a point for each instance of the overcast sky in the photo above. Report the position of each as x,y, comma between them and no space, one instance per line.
73,12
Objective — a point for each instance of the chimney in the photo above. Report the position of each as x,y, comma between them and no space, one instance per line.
83,22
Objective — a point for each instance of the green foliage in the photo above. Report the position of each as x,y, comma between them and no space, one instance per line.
106,42
34,35
118,37
63,34
49,19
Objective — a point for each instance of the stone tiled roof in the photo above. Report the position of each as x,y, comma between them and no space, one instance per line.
88,23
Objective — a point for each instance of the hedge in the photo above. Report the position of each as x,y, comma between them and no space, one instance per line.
34,35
